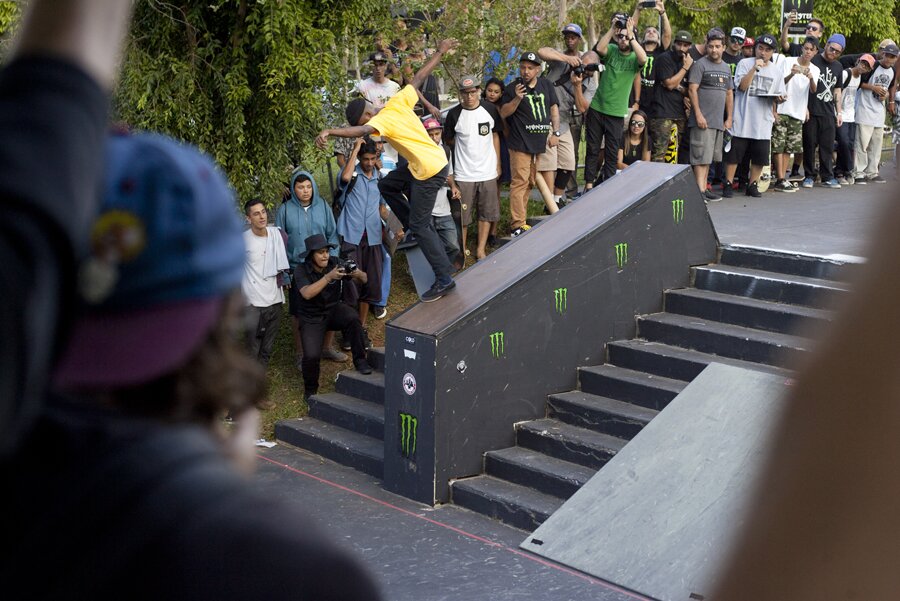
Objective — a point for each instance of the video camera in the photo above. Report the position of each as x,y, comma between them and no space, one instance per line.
579,70
346,266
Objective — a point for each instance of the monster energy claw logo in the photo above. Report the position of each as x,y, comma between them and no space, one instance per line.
538,106
408,429
560,297
621,254
678,210
497,345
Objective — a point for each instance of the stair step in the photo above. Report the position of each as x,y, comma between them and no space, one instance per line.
609,416
806,266
647,390
528,467
375,357
674,361
567,442
745,311
363,417
723,339
358,451
366,387
767,285
513,504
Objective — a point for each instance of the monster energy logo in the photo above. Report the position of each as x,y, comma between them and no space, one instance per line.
621,254
678,210
560,297
497,345
538,106
648,66
408,428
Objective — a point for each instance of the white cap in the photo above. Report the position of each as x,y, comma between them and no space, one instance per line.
739,32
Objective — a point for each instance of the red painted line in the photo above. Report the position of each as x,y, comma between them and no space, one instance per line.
461,532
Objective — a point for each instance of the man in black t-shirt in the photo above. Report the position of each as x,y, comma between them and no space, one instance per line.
814,29
320,281
530,107
668,117
824,115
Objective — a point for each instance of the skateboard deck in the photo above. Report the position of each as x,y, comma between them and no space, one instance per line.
420,269
765,179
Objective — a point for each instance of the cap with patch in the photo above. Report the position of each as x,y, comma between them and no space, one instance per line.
432,123
748,42
768,39
891,49
166,248
572,28
468,82
378,56
531,57
738,32
684,36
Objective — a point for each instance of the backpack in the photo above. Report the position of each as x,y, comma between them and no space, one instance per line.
340,194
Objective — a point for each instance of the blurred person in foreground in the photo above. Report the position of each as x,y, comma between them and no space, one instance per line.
145,495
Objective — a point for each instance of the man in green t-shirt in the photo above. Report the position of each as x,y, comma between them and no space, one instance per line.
604,120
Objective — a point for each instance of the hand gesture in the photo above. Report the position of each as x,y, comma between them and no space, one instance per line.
322,140
760,63
792,18
573,61
688,62
660,6
448,46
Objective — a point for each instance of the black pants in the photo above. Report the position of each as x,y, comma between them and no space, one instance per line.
421,204
395,189
312,336
608,130
261,325
819,131
846,138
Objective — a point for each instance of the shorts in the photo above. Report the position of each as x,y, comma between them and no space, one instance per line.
787,135
370,260
480,195
561,156
757,149
706,145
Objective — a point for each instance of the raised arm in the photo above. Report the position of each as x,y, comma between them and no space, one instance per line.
665,38
444,47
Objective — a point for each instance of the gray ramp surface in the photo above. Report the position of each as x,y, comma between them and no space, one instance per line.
659,517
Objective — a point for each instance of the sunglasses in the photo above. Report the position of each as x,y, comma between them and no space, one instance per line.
638,124
834,49
812,28
737,40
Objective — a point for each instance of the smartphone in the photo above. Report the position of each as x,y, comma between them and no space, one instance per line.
648,4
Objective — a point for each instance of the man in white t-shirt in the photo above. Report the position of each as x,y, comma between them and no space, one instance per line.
262,283
472,130
377,89
846,133
800,76
870,113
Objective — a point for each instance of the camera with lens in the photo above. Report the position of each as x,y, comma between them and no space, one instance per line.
346,266
589,68
620,21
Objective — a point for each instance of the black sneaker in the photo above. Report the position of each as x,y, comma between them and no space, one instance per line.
876,179
492,240
727,190
437,291
753,190
711,196
860,181
362,366
379,312
520,230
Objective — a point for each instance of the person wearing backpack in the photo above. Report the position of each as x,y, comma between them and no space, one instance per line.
359,224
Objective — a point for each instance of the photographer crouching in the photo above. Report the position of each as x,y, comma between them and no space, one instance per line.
320,279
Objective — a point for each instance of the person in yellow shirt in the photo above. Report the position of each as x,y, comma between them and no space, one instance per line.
398,123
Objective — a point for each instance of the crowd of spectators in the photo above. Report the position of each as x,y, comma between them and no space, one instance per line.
741,109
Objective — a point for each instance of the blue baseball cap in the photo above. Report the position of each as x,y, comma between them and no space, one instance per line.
572,28
166,248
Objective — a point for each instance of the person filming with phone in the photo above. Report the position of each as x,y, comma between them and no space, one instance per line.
320,279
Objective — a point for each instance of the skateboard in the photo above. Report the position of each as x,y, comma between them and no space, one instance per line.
672,150
420,269
765,179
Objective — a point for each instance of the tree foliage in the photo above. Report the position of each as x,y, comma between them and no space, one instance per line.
252,81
